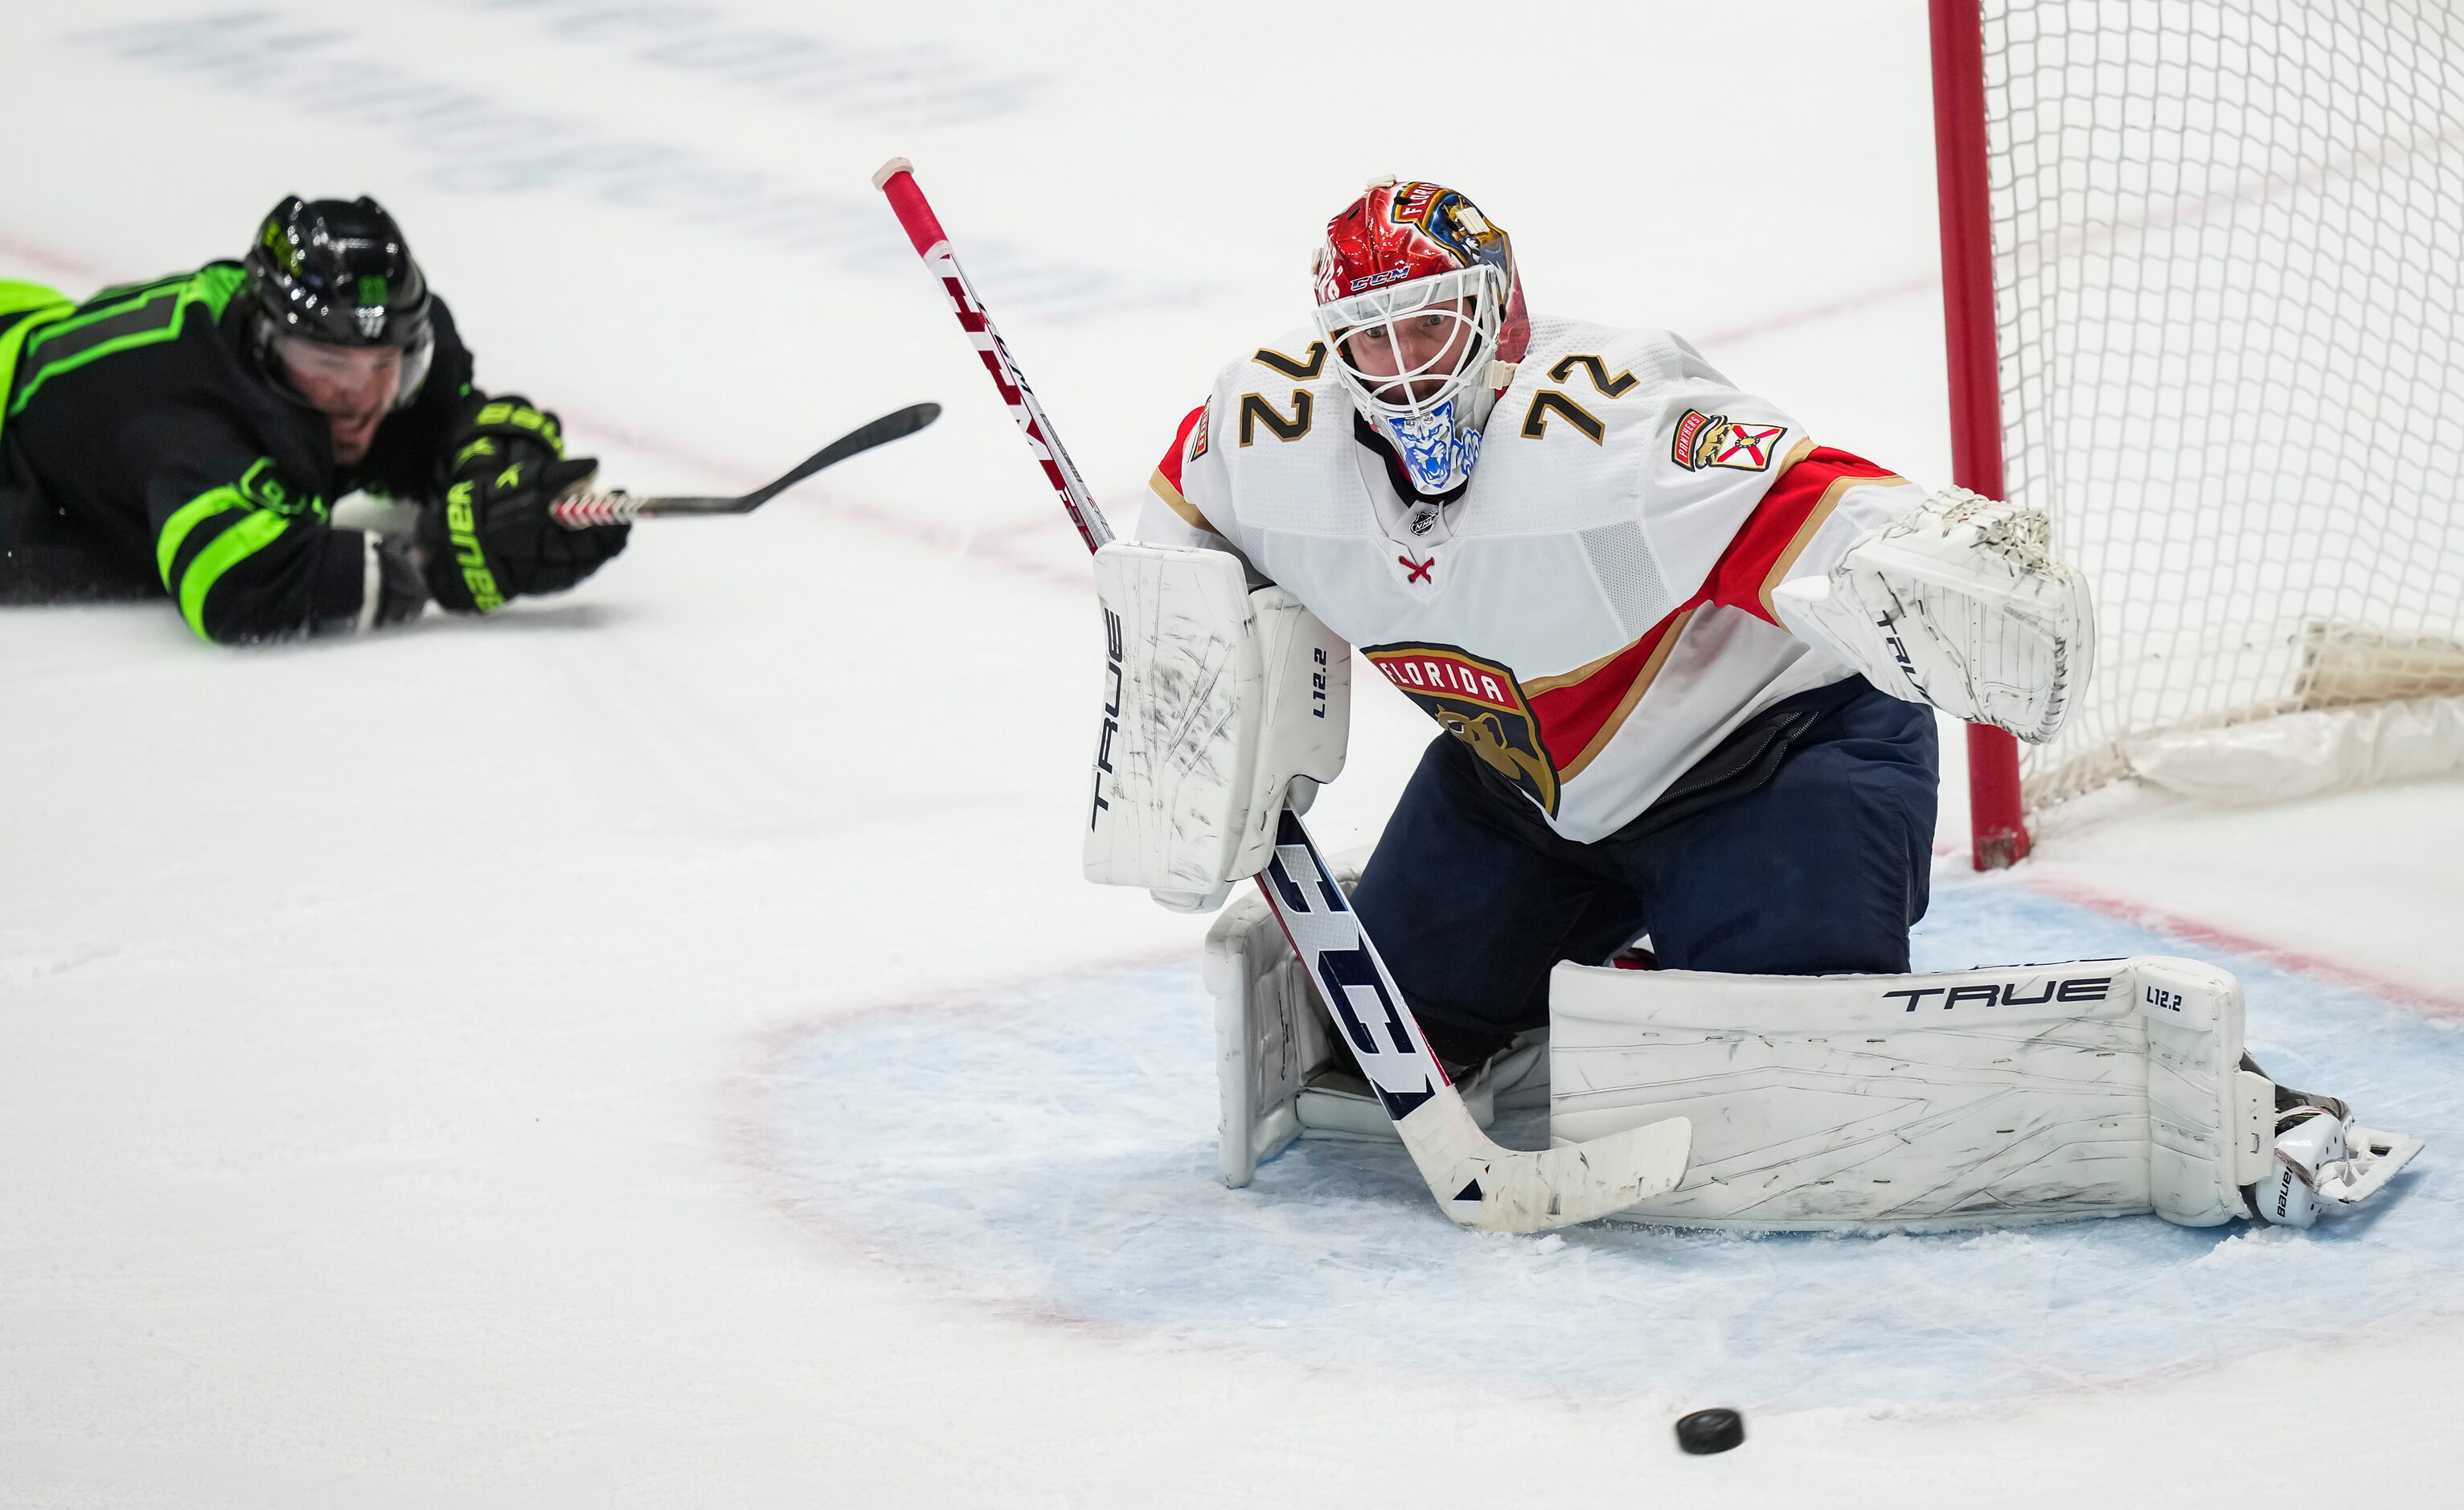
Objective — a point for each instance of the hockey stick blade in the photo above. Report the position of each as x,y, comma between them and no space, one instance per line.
1531,1190
1476,1182
582,510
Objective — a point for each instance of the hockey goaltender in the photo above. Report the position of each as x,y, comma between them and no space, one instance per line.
187,439
1687,660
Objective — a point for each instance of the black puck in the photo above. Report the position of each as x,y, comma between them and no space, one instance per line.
1713,1431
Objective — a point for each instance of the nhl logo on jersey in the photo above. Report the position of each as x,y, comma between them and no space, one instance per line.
1715,440
1479,702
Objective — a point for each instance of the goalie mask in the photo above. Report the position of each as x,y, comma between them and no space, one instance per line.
1418,299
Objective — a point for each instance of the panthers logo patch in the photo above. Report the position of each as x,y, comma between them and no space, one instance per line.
1479,702
1715,440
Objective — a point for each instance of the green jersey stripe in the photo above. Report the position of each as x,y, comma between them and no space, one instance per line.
156,312
228,550
185,519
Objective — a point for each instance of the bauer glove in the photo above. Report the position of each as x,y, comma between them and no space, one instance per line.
491,539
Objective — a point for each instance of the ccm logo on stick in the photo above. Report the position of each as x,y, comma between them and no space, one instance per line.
2080,988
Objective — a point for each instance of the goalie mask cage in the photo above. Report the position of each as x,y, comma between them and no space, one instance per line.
2203,269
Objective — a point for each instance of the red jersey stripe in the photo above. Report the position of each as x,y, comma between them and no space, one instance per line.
1581,710
1176,457
1166,482
1777,531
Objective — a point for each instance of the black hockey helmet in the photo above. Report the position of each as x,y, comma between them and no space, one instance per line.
339,272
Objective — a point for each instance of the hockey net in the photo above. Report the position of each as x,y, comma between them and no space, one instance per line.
2227,253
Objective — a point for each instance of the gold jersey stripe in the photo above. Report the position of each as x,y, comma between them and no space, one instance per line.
1188,511
1813,522
1580,674
1643,682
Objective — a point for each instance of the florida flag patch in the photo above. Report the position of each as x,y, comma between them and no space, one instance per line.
1715,440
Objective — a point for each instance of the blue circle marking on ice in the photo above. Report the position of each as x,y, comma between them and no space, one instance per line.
1056,1149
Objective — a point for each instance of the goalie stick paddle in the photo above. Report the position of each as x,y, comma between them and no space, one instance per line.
582,510
1476,1182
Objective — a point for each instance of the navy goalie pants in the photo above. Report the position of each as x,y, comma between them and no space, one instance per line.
1801,846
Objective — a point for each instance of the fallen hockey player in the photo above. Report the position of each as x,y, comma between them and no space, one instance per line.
187,440
1686,662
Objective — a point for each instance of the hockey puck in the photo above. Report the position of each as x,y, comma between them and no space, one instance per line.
1706,1432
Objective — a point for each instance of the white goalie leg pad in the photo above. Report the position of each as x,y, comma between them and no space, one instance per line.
1986,1098
1281,1071
1960,604
1221,705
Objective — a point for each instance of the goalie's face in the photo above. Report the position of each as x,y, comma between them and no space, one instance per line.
1413,360
1412,356
1404,349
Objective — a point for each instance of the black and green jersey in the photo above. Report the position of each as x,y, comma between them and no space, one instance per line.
137,441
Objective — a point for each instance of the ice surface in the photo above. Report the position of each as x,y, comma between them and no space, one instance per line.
417,1058
1041,1148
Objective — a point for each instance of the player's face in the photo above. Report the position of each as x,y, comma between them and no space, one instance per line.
1427,344
354,387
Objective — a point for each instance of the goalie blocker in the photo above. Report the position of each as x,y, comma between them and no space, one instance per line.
1221,707
1991,1098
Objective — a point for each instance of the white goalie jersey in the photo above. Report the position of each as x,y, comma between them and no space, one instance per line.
1594,611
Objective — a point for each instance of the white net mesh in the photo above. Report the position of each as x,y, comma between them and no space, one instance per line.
2228,266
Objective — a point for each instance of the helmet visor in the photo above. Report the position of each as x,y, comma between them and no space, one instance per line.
1408,347
353,379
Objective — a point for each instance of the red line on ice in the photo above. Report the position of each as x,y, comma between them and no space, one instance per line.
2300,962
1807,316
53,261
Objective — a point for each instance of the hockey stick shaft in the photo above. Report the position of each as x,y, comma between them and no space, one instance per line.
1476,1182
582,510
897,181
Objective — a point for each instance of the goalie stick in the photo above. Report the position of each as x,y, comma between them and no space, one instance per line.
1476,1182
582,510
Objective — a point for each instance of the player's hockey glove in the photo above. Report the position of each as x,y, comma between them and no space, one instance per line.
491,538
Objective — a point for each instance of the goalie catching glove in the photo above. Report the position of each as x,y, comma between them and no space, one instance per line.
491,539
1960,604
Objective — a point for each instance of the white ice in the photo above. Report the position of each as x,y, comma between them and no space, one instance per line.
651,1048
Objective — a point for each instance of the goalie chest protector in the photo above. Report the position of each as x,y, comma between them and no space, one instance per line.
1557,598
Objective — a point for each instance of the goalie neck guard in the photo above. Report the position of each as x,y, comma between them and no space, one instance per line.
1419,300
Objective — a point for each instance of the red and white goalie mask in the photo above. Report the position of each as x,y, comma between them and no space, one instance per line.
1419,300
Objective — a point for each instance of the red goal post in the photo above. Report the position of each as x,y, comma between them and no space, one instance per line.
1997,821
2202,285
